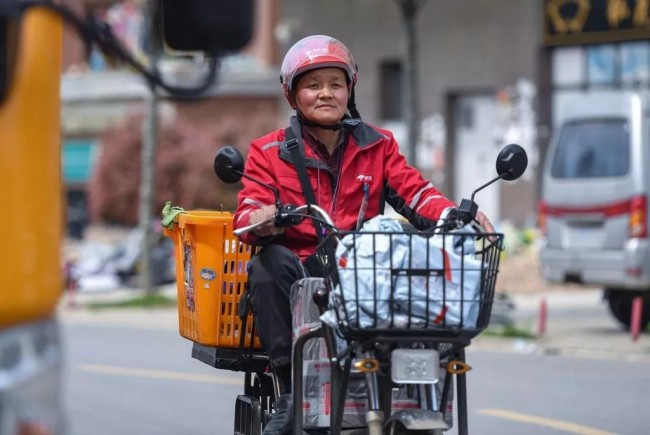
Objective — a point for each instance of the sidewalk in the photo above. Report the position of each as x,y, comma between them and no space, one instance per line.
579,323
74,308
84,298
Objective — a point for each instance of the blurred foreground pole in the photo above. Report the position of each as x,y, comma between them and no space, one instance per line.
409,11
148,159
635,317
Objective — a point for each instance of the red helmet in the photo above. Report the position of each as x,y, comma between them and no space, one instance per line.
312,52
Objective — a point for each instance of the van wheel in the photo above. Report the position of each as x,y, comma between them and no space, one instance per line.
620,305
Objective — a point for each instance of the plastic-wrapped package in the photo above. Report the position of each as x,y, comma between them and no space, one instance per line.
390,278
317,368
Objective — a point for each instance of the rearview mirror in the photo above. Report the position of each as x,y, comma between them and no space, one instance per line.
229,165
512,162
212,26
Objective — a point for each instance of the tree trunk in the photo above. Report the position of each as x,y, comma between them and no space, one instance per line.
148,168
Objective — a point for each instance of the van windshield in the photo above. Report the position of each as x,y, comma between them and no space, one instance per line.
593,148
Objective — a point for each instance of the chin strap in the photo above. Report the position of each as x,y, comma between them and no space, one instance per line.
352,106
348,124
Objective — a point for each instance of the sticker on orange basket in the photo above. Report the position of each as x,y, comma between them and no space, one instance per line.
207,274
188,278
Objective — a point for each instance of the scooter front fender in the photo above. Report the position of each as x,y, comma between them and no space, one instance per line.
419,419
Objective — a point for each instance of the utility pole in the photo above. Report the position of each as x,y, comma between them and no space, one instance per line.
148,157
409,11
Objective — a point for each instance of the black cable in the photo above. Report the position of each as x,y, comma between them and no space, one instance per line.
317,219
96,31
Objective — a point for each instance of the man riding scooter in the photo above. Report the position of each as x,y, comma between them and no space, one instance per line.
328,157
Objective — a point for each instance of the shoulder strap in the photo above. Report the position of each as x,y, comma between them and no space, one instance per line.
293,145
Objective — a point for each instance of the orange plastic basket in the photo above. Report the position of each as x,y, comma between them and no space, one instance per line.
211,266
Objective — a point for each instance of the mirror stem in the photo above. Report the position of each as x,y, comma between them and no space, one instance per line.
488,183
468,207
275,191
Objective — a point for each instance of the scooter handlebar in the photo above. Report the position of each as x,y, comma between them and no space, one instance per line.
281,215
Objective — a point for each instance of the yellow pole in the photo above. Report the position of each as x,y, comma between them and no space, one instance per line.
30,174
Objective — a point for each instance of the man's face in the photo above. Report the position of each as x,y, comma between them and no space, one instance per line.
321,95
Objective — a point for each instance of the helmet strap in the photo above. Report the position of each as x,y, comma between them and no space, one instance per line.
352,106
346,123
310,123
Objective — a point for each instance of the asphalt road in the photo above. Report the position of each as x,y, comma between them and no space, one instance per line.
130,373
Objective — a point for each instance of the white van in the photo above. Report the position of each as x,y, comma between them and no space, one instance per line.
594,204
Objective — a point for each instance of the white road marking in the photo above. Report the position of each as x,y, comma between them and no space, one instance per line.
159,374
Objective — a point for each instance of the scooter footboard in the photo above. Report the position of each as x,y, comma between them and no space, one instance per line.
235,360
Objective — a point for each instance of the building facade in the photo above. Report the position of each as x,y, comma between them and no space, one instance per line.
490,72
98,92
478,74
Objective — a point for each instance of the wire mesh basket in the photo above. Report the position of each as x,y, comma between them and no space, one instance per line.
408,283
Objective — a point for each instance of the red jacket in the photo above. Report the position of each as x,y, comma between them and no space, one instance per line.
371,157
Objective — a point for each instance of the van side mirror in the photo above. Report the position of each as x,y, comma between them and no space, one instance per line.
211,26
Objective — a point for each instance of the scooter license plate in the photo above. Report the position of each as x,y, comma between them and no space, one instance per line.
415,366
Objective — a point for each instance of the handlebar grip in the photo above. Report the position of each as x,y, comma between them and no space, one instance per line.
239,231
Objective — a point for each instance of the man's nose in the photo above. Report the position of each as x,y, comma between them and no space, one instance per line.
326,92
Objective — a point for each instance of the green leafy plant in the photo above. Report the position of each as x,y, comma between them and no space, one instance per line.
509,331
146,301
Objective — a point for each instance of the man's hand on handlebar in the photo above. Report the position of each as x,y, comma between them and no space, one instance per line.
266,213
484,222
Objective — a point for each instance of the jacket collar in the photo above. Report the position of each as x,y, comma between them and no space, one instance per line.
364,136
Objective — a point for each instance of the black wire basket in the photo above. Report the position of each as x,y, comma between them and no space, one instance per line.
405,284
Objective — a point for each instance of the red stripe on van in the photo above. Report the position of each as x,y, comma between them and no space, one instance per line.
609,210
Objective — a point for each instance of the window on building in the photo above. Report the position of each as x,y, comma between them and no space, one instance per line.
127,21
635,63
602,64
568,66
390,90
78,160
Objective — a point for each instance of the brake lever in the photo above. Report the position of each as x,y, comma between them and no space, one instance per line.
455,219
